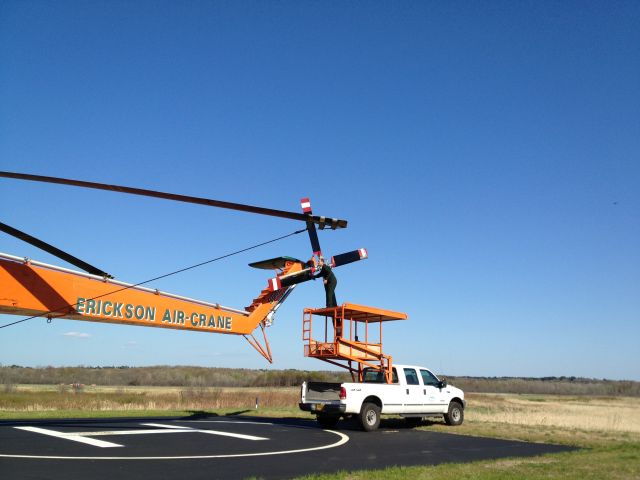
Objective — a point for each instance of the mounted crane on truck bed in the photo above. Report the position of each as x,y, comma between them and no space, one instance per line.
35,289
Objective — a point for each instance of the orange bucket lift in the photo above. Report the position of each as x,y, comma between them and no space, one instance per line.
349,337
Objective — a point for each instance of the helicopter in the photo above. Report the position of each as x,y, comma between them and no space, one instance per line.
35,289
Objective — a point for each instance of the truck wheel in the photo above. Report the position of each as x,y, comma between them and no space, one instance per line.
455,415
370,416
328,421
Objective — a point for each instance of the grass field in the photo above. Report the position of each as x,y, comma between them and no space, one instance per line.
607,428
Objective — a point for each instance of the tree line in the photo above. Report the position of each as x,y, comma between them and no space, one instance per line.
165,376
189,376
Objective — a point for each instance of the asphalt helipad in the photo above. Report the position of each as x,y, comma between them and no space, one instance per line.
227,448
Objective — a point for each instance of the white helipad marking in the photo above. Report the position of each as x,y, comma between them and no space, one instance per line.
67,436
82,437
226,421
106,433
163,425
210,432
342,440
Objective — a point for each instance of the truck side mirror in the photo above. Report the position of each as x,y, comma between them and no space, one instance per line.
442,384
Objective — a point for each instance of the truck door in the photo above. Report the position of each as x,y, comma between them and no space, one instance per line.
393,397
413,398
435,399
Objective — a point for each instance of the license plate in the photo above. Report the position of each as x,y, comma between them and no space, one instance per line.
319,407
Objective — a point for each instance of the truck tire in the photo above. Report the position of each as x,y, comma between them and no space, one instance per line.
327,421
455,414
370,416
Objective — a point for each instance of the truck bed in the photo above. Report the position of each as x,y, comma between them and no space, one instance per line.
323,392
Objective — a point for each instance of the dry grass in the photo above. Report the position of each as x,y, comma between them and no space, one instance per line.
606,414
611,415
51,398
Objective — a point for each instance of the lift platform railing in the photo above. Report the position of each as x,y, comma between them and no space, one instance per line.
348,339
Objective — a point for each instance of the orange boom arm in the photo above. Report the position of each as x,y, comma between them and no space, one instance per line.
35,289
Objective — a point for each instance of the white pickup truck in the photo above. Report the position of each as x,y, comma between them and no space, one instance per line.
415,393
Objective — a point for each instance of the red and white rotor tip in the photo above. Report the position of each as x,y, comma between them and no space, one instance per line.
305,204
275,284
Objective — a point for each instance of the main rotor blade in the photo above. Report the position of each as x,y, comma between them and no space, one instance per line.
308,273
277,283
333,222
349,257
305,204
67,257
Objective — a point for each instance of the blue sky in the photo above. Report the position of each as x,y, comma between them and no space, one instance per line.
486,154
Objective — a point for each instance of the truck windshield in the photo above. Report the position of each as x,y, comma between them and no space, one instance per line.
376,376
